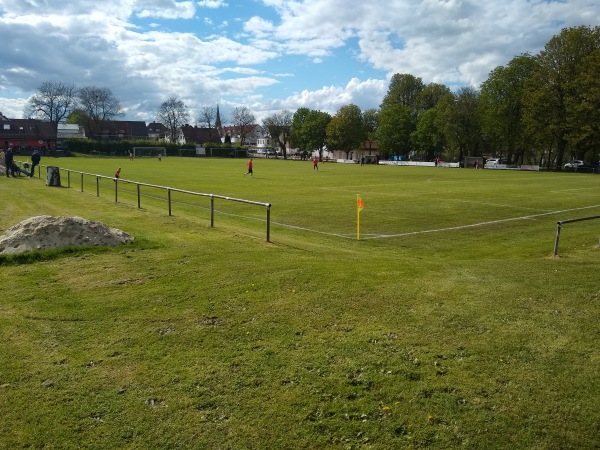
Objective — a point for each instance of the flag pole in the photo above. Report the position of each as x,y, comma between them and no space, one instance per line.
358,217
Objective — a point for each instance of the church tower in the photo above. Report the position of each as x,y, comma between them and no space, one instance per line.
218,125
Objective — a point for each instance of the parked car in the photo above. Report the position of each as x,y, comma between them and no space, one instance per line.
582,166
574,164
492,161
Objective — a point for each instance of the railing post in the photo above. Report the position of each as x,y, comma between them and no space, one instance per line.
97,186
212,211
268,222
139,197
68,178
169,199
558,226
81,181
116,190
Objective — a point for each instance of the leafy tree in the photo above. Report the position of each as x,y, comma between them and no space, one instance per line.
394,131
585,117
54,101
553,94
405,90
297,138
427,138
346,130
430,96
465,123
399,112
173,113
501,107
243,120
315,130
279,126
370,121
99,105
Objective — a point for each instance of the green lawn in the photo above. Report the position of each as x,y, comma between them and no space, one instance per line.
449,324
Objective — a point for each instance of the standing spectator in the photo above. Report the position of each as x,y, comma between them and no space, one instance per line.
130,156
117,173
315,163
35,161
9,161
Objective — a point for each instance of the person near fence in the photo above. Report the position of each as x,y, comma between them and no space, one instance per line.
8,161
315,163
117,173
35,161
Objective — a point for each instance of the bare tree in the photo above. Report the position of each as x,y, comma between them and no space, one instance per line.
100,106
53,102
208,116
242,119
279,126
173,113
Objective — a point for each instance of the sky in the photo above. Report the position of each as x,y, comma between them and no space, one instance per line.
266,55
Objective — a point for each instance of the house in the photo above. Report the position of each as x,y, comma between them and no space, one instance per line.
120,129
156,131
68,131
199,136
368,151
253,133
25,135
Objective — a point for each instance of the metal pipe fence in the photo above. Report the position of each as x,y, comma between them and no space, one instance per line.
169,190
559,225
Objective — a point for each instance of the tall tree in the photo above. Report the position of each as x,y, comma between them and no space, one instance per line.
173,113
315,130
346,130
585,117
279,126
465,127
99,105
552,92
394,131
297,138
501,107
370,121
243,120
405,90
208,116
54,101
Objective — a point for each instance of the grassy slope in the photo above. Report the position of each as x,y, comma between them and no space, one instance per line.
213,338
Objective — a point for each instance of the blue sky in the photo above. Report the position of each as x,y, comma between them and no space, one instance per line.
267,55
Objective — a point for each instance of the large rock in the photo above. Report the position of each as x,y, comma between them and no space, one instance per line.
43,232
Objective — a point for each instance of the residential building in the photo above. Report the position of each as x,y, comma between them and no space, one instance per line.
25,135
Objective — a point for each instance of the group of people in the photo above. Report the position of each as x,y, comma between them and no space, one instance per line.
12,169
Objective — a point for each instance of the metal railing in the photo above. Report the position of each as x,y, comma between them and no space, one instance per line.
559,225
169,190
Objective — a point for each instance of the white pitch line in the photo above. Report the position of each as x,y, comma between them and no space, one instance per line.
480,224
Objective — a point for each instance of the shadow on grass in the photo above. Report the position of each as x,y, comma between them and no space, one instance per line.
34,256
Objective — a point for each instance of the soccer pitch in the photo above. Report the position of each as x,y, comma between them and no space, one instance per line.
448,325
403,205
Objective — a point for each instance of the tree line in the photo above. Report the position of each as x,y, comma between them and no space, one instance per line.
538,109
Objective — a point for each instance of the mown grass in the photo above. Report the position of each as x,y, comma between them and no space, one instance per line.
200,337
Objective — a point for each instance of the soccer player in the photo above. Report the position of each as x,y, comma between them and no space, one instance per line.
250,169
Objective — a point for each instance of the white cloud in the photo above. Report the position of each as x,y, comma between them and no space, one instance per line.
212,3
149,50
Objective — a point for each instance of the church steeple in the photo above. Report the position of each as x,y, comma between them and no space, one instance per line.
218,125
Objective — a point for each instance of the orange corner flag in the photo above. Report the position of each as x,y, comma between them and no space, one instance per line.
359,203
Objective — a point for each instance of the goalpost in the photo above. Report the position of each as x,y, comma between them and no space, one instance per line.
149,151
473,162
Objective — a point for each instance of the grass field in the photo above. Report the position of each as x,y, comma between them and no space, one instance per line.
448,325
